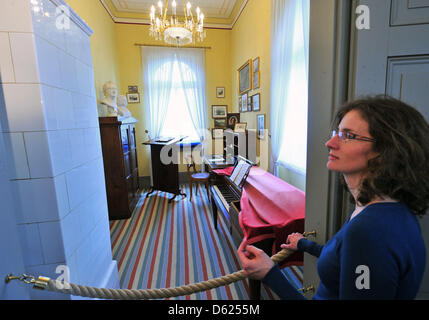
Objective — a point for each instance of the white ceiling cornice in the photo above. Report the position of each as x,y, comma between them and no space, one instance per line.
147,22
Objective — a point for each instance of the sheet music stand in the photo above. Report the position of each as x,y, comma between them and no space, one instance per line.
165,176
241,171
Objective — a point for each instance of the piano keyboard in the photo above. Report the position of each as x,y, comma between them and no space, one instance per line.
225,195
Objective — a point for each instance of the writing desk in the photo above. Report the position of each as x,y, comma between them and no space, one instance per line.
165,174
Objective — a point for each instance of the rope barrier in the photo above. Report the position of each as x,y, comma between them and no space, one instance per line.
135,294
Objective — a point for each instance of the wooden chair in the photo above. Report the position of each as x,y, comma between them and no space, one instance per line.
197,177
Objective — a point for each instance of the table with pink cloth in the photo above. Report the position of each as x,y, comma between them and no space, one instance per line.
271,209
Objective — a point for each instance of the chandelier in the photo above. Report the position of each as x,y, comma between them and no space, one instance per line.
171,29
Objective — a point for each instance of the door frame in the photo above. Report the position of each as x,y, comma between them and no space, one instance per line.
330,23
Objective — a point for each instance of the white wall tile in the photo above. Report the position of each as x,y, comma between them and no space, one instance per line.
60,151
61,196
68,72
15,16
31,245
38,200
64,109
84,181
18,168
83,78
78,147
84,111
52,242
45,24
58,108
48,62
6,66
24,57
23,106
38,153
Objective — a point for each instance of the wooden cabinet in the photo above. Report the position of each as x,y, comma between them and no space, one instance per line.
118,143
236,144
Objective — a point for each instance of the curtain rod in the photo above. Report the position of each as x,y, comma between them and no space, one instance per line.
168,46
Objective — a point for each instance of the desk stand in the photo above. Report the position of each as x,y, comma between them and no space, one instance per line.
165,177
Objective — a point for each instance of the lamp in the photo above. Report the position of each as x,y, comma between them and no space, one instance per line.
171,29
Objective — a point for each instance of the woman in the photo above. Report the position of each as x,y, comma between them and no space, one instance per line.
380,145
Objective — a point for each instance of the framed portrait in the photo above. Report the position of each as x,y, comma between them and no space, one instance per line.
219,112
133,98
240,127
244,103
220,123
256,73
220,92
260,120
232,119
217,133
256,102
133,89
245,77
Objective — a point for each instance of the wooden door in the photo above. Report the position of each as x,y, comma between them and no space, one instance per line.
389,53
392,57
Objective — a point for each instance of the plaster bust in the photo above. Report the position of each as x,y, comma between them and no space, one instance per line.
123,112
108,106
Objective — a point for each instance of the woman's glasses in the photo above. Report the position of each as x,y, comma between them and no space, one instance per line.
345,136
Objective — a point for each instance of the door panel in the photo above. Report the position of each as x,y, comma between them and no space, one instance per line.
392,57
409,12
408,80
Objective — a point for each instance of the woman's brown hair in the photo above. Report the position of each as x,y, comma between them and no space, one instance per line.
401,170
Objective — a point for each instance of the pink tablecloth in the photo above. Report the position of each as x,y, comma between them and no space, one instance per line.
225,171
271,208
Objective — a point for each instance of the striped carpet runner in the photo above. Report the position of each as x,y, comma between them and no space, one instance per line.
172,244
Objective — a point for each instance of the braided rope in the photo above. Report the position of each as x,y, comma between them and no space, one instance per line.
134,294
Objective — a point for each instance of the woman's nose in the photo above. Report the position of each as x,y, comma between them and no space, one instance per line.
332,143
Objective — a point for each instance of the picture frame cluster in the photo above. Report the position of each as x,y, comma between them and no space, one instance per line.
223,120
249,78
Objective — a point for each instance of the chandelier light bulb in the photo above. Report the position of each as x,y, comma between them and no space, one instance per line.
168,26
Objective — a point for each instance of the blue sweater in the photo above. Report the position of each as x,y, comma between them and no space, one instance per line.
379,254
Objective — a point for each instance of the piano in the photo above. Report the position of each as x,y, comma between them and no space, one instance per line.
266,207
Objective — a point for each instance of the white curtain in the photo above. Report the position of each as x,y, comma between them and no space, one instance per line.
157,70
192,71
289,82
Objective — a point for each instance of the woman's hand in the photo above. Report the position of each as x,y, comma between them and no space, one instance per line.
255,262
292,241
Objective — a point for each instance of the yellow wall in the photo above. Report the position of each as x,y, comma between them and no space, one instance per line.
116,58
103,41
129,62
251,38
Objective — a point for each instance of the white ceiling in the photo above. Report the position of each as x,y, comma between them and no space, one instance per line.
210,8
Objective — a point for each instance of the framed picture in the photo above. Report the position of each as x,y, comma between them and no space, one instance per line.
256,102
240,103
249,103
244,103
245,77
232,119
256,74
220,123
220,92
219,112
217,133
240,127
261,126
133,89
133,98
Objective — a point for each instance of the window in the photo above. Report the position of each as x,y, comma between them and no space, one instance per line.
293,147
178,120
